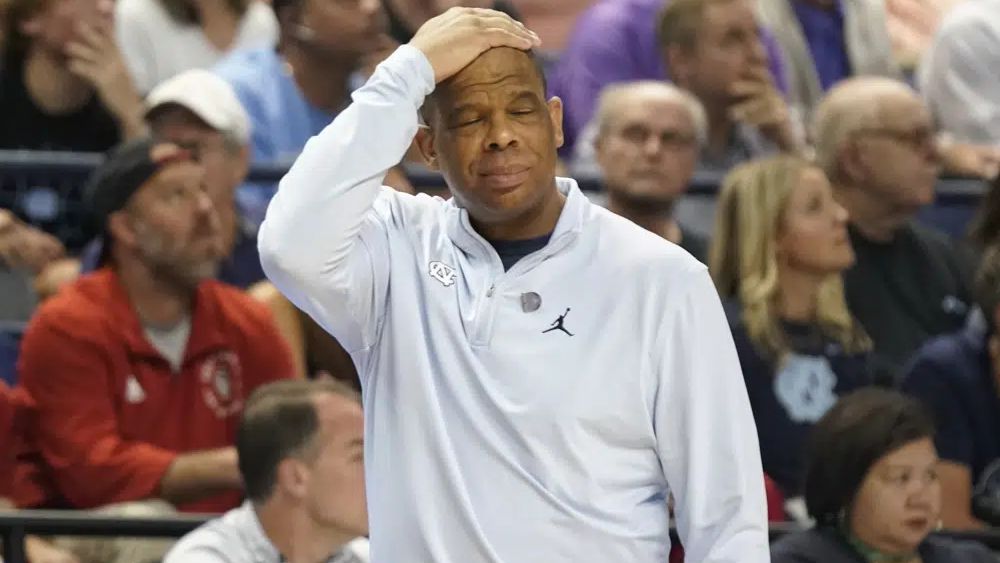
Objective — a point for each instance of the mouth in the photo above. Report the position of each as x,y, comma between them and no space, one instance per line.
504,179
918,524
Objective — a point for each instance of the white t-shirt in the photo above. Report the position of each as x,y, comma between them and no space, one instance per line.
237,537
156,47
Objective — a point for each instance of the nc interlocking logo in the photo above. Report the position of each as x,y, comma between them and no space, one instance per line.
442,273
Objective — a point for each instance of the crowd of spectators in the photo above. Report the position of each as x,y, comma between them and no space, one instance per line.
147,378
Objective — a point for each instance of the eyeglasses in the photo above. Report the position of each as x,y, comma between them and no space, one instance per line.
919,138
669,139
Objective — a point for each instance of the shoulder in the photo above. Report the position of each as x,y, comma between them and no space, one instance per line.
146,11
810,546
969,15
234,307
939,548
930,237
217,541
947,358
77,309
244,69
623,244
409,210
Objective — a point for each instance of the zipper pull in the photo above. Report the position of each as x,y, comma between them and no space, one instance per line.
489,292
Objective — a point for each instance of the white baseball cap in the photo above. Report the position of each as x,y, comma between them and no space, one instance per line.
206,95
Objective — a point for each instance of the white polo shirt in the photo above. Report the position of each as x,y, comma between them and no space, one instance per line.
237,537
534,415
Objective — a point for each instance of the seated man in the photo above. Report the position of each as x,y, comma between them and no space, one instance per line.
199,111
300,445
958,375
292,92
825,41
876,143
714,50
139,371
614,41
649,135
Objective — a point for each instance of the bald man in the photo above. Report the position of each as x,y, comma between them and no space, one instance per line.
539,374
876,142
649,135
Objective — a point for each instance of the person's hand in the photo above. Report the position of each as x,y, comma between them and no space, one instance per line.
40,551
761,105
965,159
23,246
455,38
95,57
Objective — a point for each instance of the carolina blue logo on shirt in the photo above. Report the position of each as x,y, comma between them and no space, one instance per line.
805,387
442,273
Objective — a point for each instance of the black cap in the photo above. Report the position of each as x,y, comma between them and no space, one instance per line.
126,168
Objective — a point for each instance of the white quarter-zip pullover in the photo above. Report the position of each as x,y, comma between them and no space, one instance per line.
488,437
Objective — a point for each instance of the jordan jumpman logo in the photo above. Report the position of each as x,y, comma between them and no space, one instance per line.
558,324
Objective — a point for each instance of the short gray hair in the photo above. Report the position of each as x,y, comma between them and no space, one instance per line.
614,96
850,106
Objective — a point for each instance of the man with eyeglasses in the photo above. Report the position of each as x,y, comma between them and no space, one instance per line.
648,138
875,140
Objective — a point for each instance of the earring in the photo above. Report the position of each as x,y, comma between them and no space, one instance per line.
939,526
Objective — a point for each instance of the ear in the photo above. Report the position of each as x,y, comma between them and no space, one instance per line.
121,226
851,160
32,27
678,63
556,115
425,144
292,478
241,164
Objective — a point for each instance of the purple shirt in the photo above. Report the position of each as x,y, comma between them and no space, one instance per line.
824,32
615,41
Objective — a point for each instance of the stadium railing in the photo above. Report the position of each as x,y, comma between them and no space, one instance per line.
16,525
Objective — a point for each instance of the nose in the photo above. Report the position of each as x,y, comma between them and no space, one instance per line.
370,6
758,52
653,145
840,215
500,135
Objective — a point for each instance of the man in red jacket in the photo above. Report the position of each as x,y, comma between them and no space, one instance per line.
139,371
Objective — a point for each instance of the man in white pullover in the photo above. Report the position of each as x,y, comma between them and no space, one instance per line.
538,373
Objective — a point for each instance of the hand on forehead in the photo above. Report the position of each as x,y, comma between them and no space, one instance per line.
501,70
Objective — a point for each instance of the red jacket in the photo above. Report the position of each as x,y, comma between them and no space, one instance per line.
110,413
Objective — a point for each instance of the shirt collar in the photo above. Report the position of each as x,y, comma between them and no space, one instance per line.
567,227
206,334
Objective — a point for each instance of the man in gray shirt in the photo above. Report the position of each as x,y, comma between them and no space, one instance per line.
300,448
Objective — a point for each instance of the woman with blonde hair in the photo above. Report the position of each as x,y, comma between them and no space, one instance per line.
780,246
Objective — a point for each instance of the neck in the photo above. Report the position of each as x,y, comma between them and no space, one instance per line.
720,129
51,85
879,552
297,536
323,81
218,21
872,218
157,301
797,295
655,220
539,221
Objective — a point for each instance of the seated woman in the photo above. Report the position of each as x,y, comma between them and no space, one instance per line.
780,245
872,486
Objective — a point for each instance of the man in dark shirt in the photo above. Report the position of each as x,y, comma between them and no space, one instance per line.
956,376
875,140
648,138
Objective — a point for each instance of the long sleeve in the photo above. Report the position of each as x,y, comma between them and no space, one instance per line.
77,430
705,432
322,242
960,81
